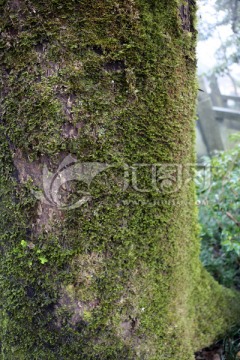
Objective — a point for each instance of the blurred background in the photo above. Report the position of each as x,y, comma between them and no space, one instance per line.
218,150
218,139
218,54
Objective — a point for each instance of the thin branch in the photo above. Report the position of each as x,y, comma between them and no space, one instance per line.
233,218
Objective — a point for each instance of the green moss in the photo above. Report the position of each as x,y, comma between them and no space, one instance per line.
122,271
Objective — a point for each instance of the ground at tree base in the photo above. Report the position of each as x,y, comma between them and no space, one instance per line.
214,352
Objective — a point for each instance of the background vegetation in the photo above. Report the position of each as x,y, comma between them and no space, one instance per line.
219,205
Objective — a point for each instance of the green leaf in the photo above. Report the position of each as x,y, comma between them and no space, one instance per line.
24,243
43,260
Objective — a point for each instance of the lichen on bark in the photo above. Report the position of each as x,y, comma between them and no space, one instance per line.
119,277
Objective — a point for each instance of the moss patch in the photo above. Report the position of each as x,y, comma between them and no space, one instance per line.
112,82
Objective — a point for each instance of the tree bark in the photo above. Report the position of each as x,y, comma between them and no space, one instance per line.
103,93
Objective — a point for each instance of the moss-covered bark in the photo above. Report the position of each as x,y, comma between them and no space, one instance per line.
118,277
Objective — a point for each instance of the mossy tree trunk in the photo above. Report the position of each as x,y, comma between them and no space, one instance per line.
107,82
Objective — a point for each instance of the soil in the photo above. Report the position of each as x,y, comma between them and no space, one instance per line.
213,352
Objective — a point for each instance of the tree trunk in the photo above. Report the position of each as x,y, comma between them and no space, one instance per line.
105,266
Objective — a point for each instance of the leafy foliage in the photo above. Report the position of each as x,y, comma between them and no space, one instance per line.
220,217
231,345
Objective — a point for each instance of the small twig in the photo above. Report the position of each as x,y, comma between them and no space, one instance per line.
233,218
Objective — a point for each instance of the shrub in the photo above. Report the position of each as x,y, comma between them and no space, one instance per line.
219,214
